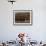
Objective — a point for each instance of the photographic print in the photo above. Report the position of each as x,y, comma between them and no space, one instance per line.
22,17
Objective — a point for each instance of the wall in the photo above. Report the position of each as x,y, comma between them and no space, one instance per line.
37,31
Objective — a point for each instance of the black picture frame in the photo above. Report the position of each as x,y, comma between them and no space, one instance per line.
22,17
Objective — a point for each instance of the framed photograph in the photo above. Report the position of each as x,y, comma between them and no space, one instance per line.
22,17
